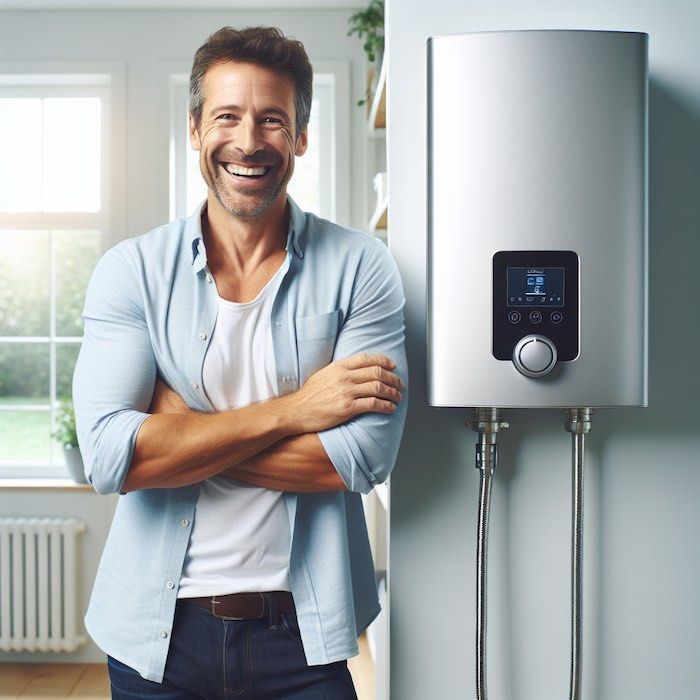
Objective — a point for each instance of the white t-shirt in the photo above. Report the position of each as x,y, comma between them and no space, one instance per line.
241,537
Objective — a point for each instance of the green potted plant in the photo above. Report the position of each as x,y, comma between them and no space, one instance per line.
368,24
67,436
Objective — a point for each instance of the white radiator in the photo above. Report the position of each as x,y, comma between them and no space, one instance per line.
39,584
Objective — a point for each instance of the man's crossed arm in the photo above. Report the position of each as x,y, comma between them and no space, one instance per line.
273,444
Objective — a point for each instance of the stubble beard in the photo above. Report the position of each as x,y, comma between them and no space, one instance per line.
234,202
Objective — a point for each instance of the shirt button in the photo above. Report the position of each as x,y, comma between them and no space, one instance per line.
170,585
278,324
210,279
194,384
202,336
163,634
185,522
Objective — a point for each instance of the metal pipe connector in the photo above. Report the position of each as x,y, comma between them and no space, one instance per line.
578,420
487,422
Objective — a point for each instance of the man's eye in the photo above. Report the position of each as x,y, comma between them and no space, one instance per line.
272,120
226,117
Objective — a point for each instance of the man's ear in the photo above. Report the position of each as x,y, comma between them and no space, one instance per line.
194,134
302,143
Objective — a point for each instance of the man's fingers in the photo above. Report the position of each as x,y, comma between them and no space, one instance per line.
373,405
376,373
378,390
367,359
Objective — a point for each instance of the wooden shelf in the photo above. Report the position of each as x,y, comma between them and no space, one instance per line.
377,110
382,491
41,484
380,218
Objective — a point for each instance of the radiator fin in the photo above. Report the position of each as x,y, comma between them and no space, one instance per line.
39,584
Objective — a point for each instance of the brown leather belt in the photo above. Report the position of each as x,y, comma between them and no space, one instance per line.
246,606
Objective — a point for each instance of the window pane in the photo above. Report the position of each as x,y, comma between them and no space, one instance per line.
20,154
304,186
24,372
25,435
24,283
75,255
66,355
71,165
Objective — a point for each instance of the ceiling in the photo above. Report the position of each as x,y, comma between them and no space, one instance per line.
176,4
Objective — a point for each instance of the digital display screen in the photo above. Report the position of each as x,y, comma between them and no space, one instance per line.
535,286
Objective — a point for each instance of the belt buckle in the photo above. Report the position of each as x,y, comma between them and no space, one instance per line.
214,602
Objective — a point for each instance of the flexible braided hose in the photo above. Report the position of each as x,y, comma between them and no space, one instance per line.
576,565
481,580
578,423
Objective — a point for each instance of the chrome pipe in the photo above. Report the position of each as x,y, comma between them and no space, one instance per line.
487,423
481,581
578,423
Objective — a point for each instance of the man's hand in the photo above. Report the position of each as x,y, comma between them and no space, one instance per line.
362,383
272,443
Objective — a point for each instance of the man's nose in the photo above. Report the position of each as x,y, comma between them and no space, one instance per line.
247,136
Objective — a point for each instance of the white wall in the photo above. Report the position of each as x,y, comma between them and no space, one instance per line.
151,44
96,512
642,604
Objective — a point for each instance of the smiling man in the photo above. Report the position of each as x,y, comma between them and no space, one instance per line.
247,181
241,382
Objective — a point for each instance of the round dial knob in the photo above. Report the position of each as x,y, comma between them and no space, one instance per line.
535,356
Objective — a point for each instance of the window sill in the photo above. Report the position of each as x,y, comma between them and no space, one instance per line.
43,485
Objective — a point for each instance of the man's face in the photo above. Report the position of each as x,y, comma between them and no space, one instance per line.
246,136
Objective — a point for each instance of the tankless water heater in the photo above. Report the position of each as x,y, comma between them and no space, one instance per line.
537,219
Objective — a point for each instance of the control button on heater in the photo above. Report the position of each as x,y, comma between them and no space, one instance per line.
535,356
536,316
556,316
514,316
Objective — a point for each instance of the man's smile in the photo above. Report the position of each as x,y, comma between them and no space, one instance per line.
245,171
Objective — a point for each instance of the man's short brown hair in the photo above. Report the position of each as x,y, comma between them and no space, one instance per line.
266,46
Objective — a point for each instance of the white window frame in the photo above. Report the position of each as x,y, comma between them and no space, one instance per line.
334,76
105,80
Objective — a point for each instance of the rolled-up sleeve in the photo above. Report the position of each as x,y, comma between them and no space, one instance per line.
115,372
364,449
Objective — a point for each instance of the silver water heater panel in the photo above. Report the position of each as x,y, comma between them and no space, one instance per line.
537,219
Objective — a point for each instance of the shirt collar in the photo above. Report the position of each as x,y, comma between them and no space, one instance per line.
296,235
297,228
193,229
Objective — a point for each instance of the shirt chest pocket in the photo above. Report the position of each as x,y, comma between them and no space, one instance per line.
316,336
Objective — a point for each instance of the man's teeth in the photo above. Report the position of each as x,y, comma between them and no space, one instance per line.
241,170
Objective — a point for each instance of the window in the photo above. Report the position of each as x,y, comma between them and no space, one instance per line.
53,212
67,151
318,185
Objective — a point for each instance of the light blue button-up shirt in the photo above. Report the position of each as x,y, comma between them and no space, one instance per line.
150,309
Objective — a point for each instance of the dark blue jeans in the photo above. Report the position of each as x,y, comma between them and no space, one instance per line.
253,659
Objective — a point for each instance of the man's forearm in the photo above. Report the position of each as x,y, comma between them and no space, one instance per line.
179,449
298,464
177,446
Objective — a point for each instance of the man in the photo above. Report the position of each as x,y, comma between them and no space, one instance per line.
241,382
